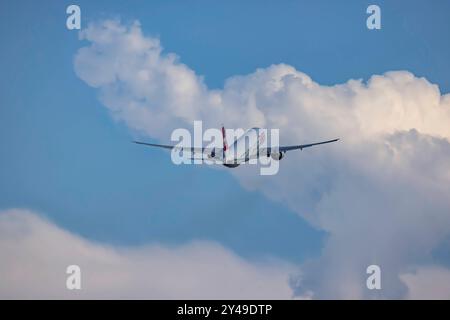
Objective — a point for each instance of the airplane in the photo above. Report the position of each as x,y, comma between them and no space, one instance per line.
243,149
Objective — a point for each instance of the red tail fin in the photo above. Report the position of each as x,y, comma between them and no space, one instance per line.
225,144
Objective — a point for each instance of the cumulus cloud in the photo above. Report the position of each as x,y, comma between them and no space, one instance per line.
428,282
34,255
381,193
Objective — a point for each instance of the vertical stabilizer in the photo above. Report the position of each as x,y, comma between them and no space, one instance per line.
225,143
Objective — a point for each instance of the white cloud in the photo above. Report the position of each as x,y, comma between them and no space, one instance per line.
34,255
381,192
149,90
427,283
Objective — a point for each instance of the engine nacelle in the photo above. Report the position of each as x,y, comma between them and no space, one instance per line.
277,155
213,153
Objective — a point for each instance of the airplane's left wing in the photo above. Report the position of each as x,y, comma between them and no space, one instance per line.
190,149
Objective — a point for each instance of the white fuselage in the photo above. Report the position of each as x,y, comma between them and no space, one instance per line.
246,147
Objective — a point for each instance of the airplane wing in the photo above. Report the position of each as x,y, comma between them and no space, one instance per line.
191,149
295,147
302,146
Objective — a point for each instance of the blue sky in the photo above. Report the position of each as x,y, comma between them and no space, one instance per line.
64,156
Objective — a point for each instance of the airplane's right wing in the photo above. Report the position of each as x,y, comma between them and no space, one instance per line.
302,146
283,149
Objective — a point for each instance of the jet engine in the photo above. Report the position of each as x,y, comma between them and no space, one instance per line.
277,155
